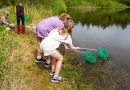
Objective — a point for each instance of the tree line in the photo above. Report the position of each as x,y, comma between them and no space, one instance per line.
13,2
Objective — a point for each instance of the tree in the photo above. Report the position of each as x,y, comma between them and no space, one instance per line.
5,2
12,2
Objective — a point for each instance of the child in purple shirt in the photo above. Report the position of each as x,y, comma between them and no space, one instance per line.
44,27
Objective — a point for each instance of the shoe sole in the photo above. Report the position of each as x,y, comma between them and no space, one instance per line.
39,61
51,74
54,81
46,66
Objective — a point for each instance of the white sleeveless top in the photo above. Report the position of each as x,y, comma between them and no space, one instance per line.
52,42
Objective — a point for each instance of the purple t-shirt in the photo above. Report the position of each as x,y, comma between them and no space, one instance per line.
45,26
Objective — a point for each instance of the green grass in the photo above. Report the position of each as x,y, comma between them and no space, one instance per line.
6,44
37,14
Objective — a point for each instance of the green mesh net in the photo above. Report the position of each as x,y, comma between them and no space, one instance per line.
89,56
102,53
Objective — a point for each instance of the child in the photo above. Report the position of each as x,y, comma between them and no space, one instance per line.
4,18
5,21
44,27
20,12
51,43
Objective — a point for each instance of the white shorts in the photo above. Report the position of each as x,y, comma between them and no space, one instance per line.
47,53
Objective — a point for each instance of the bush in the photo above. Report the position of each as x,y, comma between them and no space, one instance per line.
58,6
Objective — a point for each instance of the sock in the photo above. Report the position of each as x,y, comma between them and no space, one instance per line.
48,61
39,57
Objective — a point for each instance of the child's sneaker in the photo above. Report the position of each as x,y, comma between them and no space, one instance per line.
40,61
47,65
52,73
56,79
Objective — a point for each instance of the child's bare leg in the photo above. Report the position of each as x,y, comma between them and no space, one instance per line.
47,61
38,52
59,59
53,64
38,46
48,58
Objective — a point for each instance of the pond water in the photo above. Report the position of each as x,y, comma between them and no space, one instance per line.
110,28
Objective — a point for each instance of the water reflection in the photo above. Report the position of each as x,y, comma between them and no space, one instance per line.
101,17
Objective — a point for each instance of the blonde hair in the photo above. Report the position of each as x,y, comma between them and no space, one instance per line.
64,16
69,25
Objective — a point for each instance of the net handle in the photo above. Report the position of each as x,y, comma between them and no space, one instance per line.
90,49
79,51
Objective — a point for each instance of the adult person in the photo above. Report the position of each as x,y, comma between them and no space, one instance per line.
20,13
